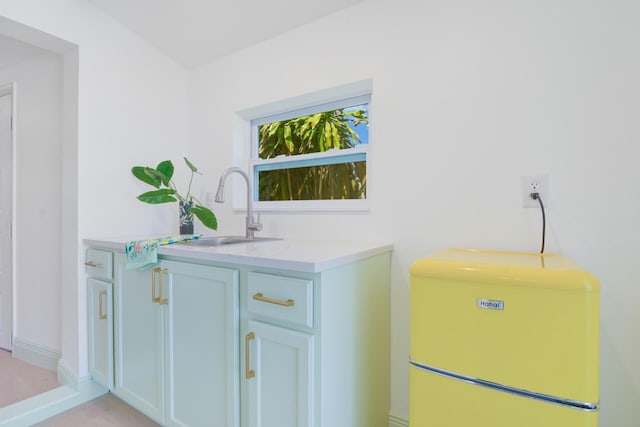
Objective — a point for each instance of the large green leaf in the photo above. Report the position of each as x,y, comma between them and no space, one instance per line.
164,195
336,137
315,119
205,216
158,176
191,165
147,175
166,170
287,138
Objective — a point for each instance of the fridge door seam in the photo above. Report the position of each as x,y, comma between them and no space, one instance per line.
570,403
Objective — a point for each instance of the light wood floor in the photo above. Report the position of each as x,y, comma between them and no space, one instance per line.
104,411
20,380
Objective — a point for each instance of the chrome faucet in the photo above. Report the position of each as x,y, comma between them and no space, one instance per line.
251,224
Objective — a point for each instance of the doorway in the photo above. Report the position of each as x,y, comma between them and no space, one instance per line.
40,71
6,220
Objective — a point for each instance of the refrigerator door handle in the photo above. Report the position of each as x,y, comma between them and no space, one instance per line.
583,406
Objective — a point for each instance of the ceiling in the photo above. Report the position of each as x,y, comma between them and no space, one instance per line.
194,32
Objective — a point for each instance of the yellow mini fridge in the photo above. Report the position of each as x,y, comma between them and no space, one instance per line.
503,339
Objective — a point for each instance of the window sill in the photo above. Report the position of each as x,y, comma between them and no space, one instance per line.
313,206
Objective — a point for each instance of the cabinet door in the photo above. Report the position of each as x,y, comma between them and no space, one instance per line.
202,344
100,318
139,343
279,369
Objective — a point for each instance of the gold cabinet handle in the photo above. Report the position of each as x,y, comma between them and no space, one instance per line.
249,373
101,315
260,297
161,300
154,298
93,264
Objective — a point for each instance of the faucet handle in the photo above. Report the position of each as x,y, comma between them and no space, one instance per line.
255,226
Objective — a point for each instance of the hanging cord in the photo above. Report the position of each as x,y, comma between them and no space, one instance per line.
536,196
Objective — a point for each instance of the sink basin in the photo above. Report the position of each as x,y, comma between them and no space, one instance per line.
227,240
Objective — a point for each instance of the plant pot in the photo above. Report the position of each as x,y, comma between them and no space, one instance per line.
186,218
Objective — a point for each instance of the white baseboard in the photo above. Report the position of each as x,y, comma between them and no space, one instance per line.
36,354
396,421
42,406
67,377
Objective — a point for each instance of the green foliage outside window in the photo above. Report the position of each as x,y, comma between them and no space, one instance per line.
315,133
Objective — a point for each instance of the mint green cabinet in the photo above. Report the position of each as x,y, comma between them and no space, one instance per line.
201,342
139,342
316,348
99,269
100,326
280,375
176,346
201,349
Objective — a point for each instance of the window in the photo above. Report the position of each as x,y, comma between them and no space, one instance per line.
315,156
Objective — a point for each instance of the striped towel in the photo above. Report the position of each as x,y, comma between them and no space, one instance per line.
143,254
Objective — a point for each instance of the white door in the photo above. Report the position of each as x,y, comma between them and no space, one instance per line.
6,177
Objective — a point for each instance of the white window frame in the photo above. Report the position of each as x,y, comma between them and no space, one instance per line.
362,152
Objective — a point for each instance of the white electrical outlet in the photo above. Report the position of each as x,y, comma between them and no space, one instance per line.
535,184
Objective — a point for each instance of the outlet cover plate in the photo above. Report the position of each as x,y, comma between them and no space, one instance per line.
538,183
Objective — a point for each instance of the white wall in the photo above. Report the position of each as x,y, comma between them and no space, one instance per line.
467,97
38,184
131,104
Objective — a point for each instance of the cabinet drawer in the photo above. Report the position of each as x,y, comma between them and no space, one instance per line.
281,298
98,264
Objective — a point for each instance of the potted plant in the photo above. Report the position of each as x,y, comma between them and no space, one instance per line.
166,192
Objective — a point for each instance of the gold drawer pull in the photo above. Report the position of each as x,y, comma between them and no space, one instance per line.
162,301
159,299
93,264
249,373
260,297
101,315
154,298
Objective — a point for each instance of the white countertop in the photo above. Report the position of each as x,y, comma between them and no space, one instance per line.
310,256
